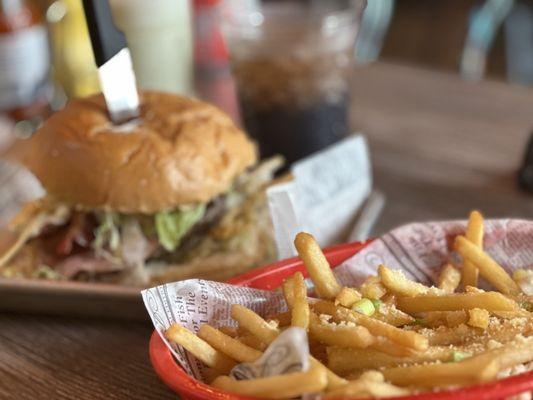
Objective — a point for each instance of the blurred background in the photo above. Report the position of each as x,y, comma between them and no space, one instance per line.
476,39
46,58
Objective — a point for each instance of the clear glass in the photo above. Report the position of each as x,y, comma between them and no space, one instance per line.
159,36
292,61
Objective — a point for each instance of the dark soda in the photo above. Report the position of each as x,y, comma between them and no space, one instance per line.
297,131
292,61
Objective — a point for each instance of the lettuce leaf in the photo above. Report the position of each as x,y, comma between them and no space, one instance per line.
172,226
107,233
169,227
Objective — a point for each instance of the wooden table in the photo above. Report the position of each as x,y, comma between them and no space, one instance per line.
440,147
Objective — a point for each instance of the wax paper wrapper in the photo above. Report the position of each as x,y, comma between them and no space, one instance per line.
325,196
418,249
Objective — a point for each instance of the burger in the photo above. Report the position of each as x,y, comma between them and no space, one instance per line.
177,193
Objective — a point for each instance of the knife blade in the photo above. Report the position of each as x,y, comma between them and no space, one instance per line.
113,59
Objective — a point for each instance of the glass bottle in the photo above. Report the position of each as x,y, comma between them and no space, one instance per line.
25,89
74,68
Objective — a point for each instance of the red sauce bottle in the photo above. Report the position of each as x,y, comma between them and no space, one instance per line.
25,88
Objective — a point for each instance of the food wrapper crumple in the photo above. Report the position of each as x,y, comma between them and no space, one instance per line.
418,249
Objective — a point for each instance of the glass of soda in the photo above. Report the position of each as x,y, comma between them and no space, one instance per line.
292,61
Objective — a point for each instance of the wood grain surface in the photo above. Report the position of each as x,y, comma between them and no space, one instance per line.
439,147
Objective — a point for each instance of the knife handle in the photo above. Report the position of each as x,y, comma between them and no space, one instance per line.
106,39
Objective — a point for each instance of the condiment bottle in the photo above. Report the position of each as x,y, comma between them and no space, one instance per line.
25,88
213,80
159,36
72,55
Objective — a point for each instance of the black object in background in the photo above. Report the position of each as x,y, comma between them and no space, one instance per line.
106,39
525,175
295,131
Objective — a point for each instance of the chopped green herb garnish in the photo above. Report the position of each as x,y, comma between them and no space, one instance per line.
458,356
364,306
377,303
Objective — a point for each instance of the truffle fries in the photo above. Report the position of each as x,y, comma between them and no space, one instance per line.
389,337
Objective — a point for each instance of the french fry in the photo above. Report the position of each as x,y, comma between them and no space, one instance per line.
473,289
381,343
387,346
334,381
402,337
326,284
474,233
396,282
391,315
369,335
347,297
503,331
363,388
343,360
299,287
522,274
287,288
199,348
282,319
478,318
388,298
378,328
300,314
228,345
449,279
229,330
488,268
317,349
300,308
276,387
520,313
517,351
523,278
372,288
325,307
253,323
470,371
373,376
343,335
448,336
263,333
252,341
492,301
450,319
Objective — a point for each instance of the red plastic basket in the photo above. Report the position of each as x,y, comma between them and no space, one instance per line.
270,277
